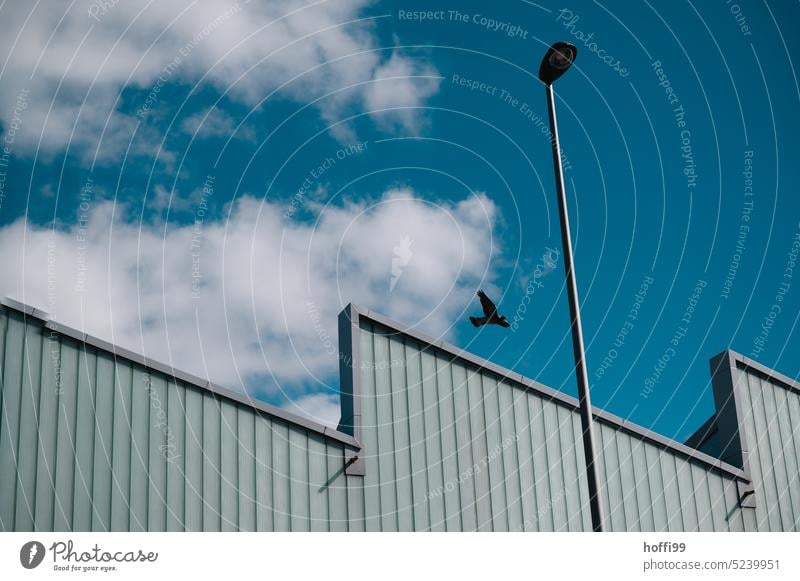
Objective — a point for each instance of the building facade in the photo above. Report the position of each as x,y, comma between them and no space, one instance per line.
94,437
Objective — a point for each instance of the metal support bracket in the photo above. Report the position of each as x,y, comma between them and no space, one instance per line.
747,494
354,464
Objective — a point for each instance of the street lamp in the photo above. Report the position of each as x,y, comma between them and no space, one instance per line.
555,63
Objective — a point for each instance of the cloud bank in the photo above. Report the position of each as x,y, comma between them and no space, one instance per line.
251,301
72,62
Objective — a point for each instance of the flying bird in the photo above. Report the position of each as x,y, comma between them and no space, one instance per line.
490,315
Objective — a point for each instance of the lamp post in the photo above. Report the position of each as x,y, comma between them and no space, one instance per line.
555,63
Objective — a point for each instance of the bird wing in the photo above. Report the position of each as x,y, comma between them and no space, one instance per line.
489,307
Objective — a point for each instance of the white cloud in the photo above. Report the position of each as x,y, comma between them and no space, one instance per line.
215,123
270,287
394,99
321,407
75,66
178,204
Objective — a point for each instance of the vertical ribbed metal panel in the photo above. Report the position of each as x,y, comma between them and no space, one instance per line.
93,442
772,420
28,423
452,447
650,488
90,441
9,416
475,452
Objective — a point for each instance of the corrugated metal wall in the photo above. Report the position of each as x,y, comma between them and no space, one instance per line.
772,423
451,448
648,488
490,455
93,442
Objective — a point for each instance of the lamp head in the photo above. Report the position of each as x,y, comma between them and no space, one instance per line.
558,58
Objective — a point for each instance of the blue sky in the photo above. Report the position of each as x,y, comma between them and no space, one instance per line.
210,183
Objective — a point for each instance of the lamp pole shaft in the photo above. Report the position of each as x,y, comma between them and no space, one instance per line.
587,423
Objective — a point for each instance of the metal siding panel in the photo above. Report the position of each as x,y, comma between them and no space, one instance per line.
416,420
686,495
464,446
369,416
583,485
336,488
541,468
571,496
525,455
433,451
65,451
655,482
84,441
447,438
752,517
175,453
734,516
121,447
355,504
719,509
616,510
480,451
790,454
103,441
793,415
494,456
280,475
556,465
628,479
702,497
672,495
9,420
6,504
387,493
644,504
264,513
247,465
317,483
494,442
769,518
604,486
356,521
510,461
724,514
3,330
194,460
298,480
28,428
402,440
212,464
779,471
157,453
229,460
140,449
